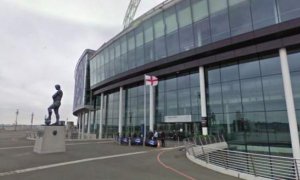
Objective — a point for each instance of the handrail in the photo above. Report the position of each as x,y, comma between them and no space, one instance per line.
255,165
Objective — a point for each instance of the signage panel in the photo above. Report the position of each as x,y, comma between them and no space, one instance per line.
178,119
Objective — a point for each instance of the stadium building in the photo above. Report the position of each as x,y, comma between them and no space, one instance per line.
233,65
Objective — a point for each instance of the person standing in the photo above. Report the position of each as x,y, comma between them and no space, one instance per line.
162,137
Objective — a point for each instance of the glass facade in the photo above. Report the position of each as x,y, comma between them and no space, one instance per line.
245,98
245,101
175,95
184,26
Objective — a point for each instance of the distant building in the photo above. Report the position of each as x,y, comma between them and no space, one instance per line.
237,44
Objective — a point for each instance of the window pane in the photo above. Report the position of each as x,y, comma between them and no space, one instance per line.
159,26
149,52
249,69
139,56
213,74
264,13
278,128
200,9
274,93
160,48
252,95
240,17
171,102
170,19
229,72
289,10
217,6
202,32
219,20
295,78
294,61
270,66
172,43
195,98
131,59
195,82
231,97
123,45
183,81
131,41
214,99
148,29
255,126
186,38
184,107
171,84
139,37
184,13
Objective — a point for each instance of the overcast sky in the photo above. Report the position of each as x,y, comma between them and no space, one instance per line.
40,44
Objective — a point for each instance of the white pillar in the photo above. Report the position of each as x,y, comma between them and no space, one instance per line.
79,124
101,116
89,123
120,111
82,125
203,101
151,109
289,99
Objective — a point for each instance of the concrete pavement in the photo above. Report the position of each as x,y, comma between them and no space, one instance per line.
98,160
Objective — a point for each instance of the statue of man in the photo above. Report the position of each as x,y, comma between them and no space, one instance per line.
55,106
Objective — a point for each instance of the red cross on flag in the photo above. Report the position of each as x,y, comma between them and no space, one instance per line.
151,80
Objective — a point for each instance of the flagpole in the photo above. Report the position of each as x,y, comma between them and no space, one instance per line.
145,104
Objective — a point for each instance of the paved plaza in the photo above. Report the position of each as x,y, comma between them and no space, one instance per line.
95,160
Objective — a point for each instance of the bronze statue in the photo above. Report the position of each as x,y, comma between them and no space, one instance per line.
55,106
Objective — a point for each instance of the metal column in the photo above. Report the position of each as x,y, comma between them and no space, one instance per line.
120,111
204,121
101,116
151,109
289,99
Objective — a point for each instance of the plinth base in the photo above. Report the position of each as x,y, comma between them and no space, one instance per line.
50,140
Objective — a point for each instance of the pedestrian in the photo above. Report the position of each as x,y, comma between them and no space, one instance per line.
162,137
155,135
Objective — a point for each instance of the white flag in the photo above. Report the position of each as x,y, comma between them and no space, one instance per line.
151,80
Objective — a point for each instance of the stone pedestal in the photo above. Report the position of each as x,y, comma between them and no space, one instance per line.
50,140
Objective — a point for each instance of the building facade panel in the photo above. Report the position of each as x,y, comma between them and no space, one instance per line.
237,43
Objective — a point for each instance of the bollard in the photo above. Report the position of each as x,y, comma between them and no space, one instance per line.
158,144
129,141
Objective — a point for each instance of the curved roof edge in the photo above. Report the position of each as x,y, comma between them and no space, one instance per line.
160,7
84,108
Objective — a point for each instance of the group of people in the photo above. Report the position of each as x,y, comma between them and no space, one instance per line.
158,136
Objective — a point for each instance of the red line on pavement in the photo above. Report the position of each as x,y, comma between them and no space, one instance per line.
172,169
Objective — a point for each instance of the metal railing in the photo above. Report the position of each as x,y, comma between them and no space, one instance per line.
258,165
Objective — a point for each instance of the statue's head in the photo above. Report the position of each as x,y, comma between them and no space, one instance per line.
57,87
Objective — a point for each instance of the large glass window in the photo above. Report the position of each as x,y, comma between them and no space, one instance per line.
231,97
202,32
184,99
200,9
288,9
240,16
184,13
249,69
219,19
171,20
159,26
252,95
186,38
264,13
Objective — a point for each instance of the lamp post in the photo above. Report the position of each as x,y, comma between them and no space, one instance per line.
17,113
31,120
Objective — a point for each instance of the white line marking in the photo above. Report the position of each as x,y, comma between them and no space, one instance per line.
21,147
68,163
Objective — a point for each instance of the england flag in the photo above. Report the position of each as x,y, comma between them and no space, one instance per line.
151,80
